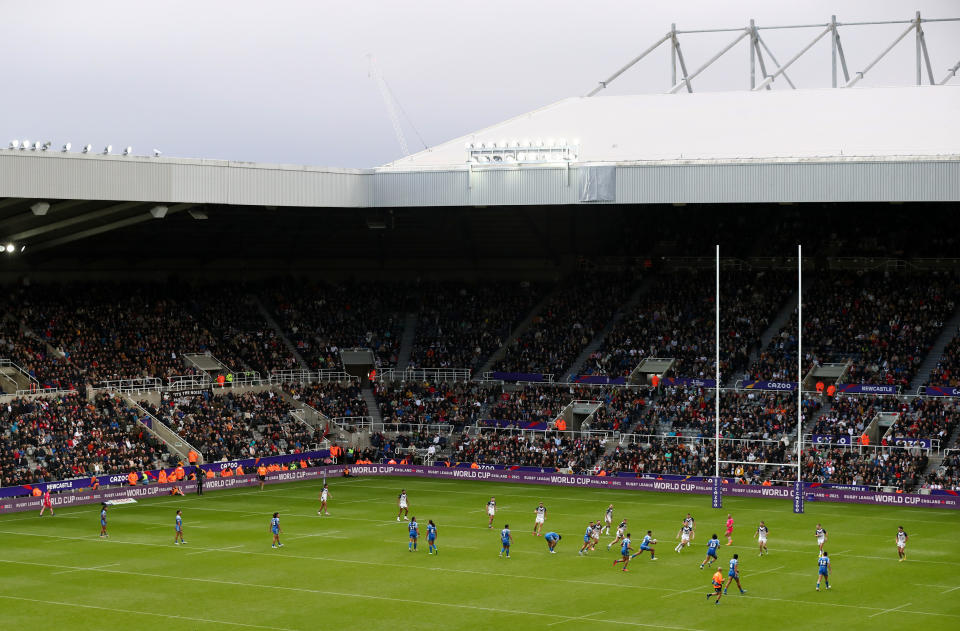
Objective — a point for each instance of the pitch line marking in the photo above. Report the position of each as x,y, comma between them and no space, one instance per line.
595,613
697,589
205,550
97,567
141,613
950,590
889,610
339,594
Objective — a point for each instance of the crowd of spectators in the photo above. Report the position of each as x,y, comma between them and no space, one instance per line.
66,436
884,322
675,318
51,370
900,468
559,451
947,475
334,399
567,323
416,403
229,426
321,319
947,371
849,415
461,326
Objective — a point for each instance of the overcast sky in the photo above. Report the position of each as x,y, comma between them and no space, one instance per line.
286,81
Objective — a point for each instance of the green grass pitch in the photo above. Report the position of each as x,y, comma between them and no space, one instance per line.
353,569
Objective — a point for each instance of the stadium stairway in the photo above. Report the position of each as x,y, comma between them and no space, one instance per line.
951,329
776,325
276,327
515,333
597,340
373,409
406,341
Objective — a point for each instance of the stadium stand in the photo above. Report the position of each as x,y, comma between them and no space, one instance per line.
947,370
462,325
334,399
414,403
64,437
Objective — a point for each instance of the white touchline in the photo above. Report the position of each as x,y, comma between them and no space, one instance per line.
889,610
141,613
206,550
306,590
697,589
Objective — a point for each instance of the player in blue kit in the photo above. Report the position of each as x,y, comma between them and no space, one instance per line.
103,520
414,529
275,529
552,538
624,553
432,537
587,538
734,574
505,540
712,546
823,569
647,545
178,529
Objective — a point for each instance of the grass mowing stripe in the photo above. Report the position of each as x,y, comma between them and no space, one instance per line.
142,613
326,593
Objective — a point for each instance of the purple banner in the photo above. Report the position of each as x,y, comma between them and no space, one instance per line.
601,380
88,496
684,381
903,441
121,478
717,492
850,388
517,376
785,386
798,497
942,391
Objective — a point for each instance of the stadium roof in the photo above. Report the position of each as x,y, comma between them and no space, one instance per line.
817,146
806,124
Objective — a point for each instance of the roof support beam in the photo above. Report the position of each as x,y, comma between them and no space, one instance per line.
783,69
10,221
72,221
856,78
686,80
604,84
92,232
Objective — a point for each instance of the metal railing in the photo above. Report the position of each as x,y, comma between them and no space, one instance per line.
141,384
424,374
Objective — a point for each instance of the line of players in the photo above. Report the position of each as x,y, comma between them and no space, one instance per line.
591,537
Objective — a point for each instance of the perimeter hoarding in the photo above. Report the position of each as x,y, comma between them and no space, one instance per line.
698,487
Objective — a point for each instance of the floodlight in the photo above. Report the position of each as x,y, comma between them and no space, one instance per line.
107,150
22,248
538,142
576,142
562,142
156,153
549,142
197,214
40,209
14,144
46,145
25,145
159,212
36,146
502,144
468,145
87,148
66,147
128,151
10,248
525,142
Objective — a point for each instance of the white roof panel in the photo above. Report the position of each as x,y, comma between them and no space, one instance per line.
827,123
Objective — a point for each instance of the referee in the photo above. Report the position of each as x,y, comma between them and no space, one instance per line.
200,477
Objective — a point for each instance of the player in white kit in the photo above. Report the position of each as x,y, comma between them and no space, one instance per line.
324,494
821,535
541,513
491,511
608,520
684,534
761,536
402,503
621,533
902,543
